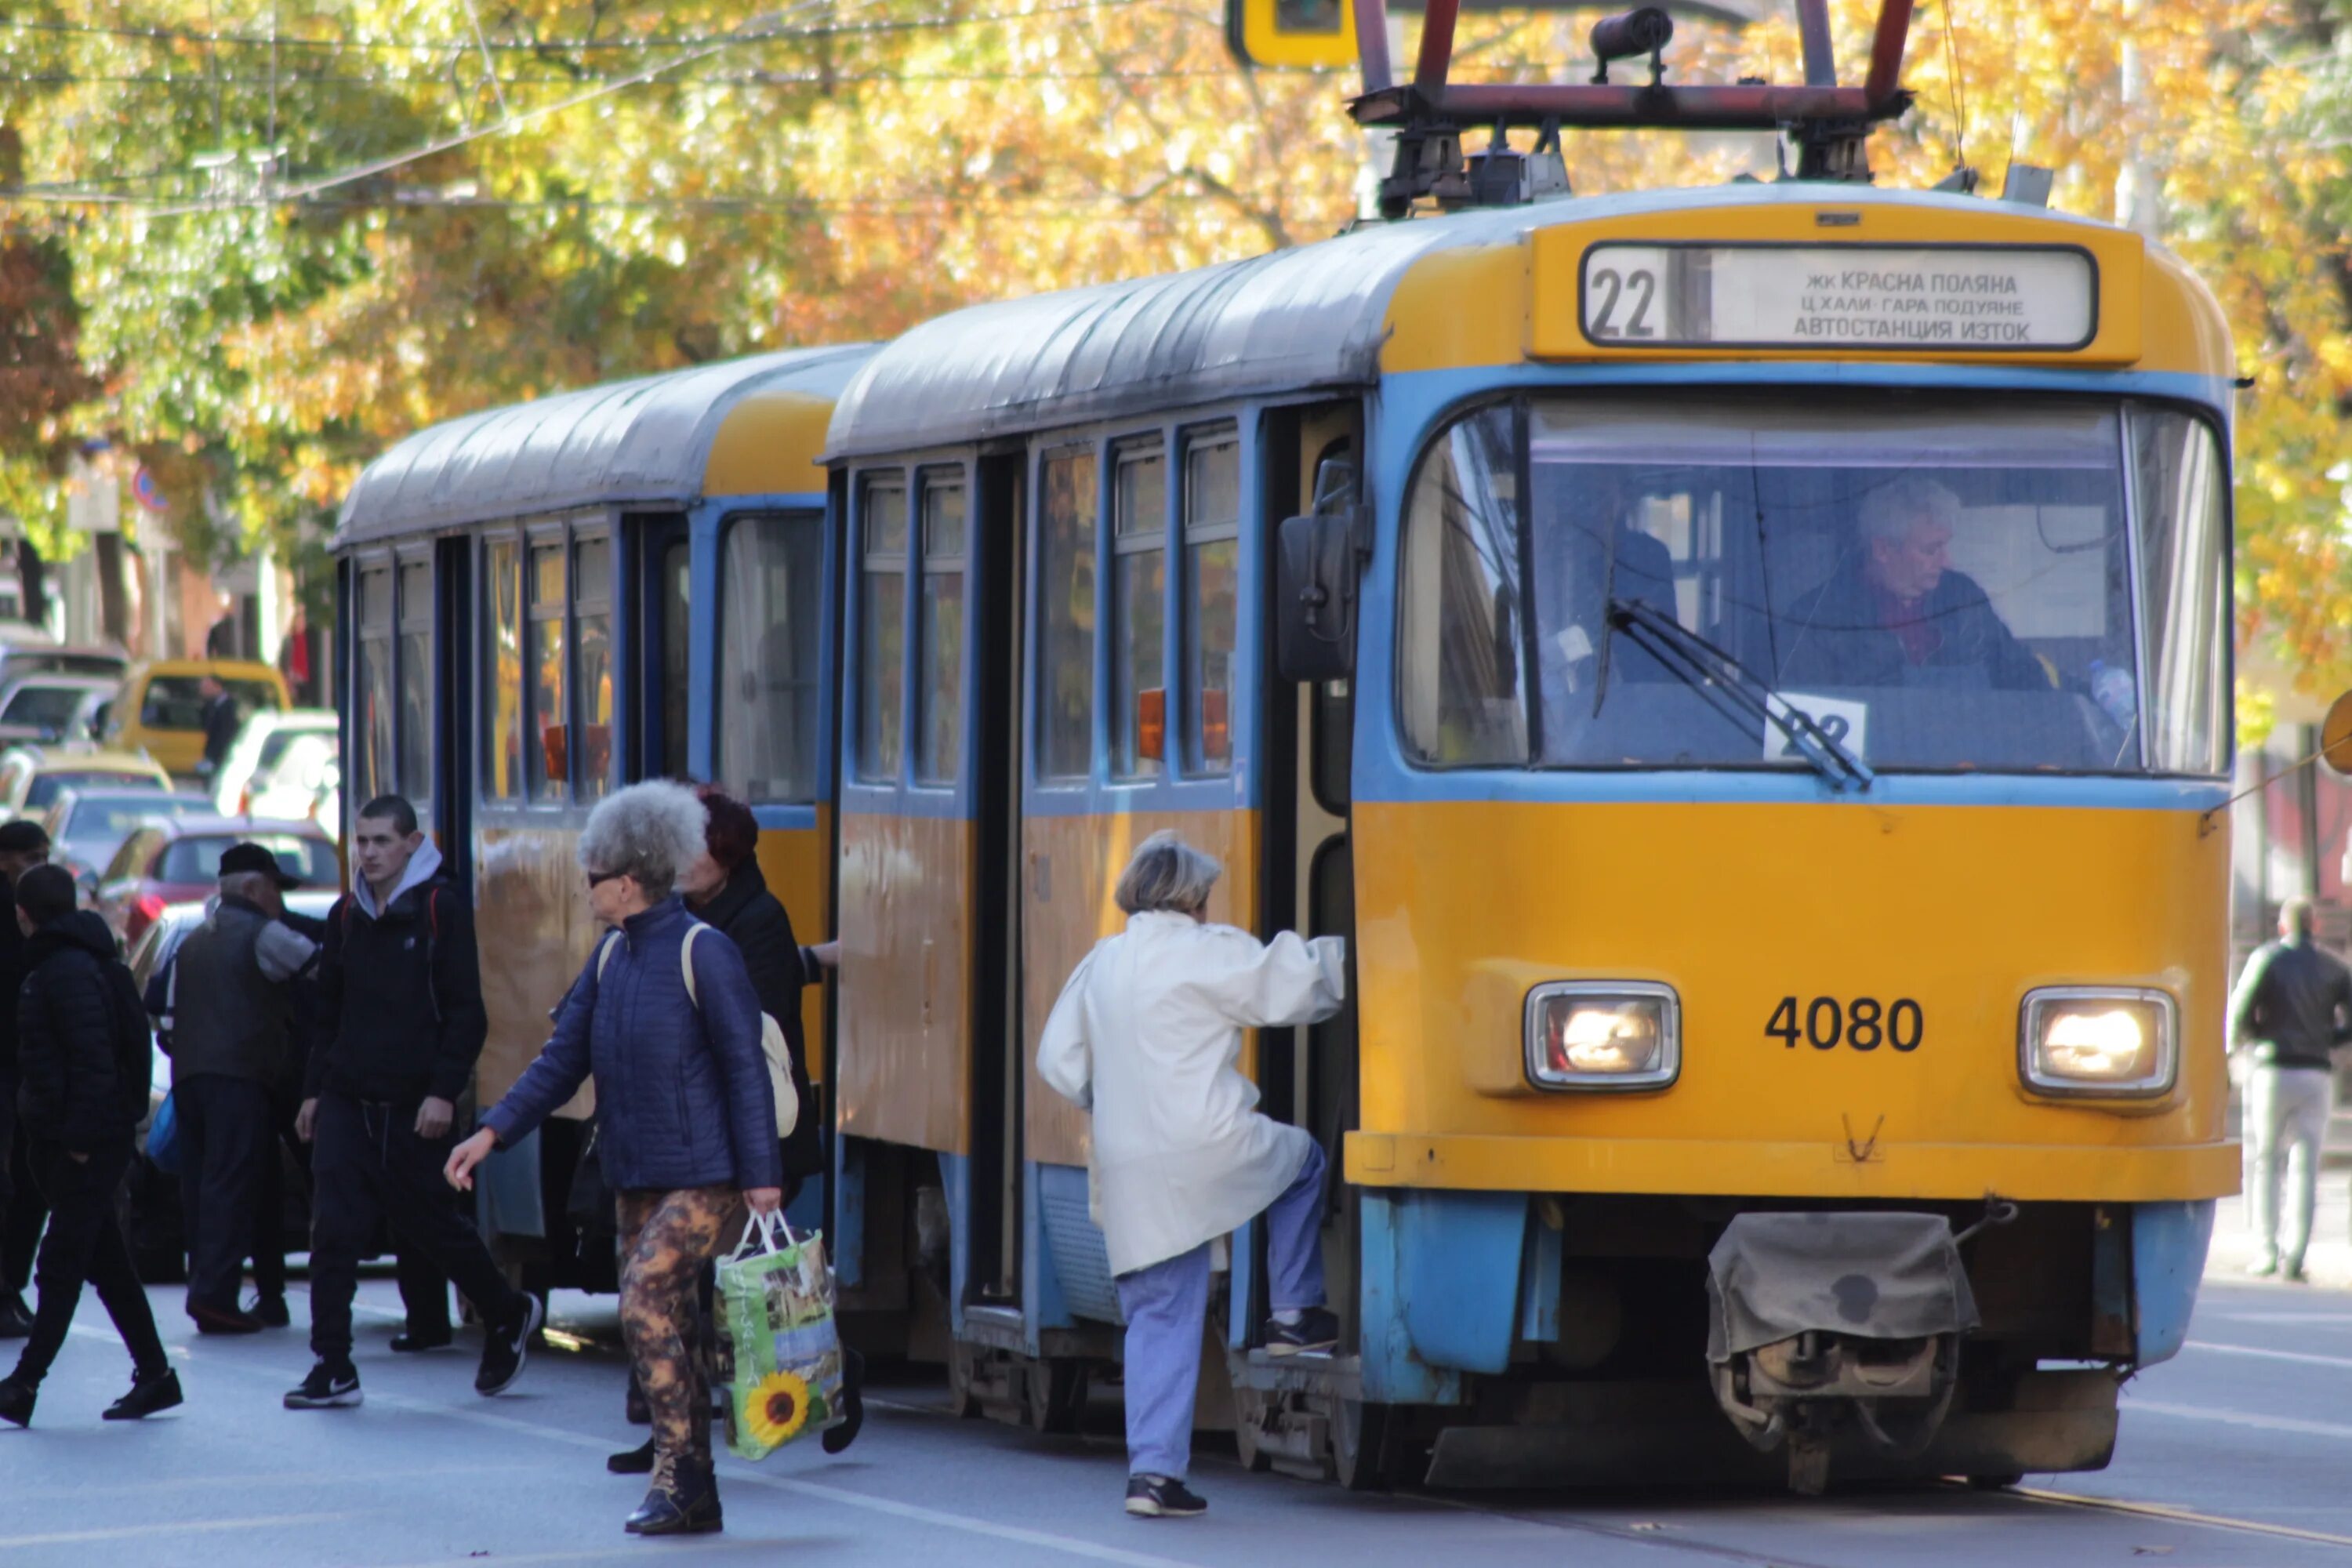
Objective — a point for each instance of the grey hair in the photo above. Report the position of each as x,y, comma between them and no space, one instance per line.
251,885
1166,873
1890,510
649,832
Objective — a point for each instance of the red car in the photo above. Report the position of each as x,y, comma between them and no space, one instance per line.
167,862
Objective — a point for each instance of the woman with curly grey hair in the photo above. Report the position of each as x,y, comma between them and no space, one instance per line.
686,1129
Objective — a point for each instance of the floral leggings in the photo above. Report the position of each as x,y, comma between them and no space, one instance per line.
665,1239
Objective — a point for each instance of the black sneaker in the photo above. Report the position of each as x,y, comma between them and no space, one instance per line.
504,1347
17,1401
637,1461
326,1388
269,1312
411,1342
1316,1332
16,1318
1162,1496
149,1394
842,1433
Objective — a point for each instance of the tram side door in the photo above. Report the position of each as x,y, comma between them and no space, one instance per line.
999,1039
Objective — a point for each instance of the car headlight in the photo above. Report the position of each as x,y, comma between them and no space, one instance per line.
2082,1041
1603,1035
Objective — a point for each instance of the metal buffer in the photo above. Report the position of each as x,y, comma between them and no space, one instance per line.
1828,123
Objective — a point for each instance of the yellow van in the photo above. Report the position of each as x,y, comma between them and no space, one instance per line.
160,708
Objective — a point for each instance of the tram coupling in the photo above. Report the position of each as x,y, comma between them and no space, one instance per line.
1835,1330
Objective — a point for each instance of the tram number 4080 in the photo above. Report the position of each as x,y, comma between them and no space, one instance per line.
1864,1023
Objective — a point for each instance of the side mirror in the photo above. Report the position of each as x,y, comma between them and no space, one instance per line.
1317,559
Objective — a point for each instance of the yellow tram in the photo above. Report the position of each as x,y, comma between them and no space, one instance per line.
1747,669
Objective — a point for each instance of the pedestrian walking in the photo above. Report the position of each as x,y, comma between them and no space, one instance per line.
1146,1036
687,1129
23,845
219,716
725,888
83,1049
2292,1007
232,1048
401,990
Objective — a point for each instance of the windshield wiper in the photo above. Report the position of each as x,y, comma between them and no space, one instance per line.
1699,664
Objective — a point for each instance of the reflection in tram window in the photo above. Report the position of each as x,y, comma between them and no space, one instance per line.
1139,587
2185,573
502,671
1459,649
1947,589
415,779
372,726
768,591
1068,503
882,635
592,660
547,759
1213,495
939,690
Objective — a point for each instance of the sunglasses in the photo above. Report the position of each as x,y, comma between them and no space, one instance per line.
596,878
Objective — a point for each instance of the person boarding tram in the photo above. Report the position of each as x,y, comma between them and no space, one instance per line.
1146,1036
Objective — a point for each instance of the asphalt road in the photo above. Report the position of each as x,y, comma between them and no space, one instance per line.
2237,1453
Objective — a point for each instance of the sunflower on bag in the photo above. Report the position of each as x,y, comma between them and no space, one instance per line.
778,1346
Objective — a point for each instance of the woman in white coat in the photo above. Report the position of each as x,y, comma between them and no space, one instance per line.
1146,1036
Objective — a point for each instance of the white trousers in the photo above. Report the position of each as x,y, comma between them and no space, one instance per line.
2286,1123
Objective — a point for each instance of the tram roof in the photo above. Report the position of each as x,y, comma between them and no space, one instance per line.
1308,319
655,440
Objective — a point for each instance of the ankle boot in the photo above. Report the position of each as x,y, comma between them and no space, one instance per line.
17,1401
683,1500
160,1390
637,1461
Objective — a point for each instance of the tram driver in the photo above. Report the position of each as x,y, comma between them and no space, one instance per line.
1896,613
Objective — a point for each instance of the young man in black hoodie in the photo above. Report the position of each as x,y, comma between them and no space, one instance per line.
82,1047
401,1000
23,845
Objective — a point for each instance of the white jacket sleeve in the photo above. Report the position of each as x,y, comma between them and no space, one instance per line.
1065,1056
1291,981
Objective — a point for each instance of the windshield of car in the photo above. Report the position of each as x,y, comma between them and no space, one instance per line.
45,707
197,859
46,786
94,824
177,702
1937,584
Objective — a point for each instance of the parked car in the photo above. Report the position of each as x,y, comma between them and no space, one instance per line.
260,747
165,862
44,655
86,825
46,707
307,783
161,710
31,776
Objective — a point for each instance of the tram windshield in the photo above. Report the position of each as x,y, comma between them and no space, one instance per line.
1939,585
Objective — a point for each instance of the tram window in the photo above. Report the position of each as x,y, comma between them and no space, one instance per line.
1460,660
2179,483
882,634
416,776
769,585
502,668
374,731
1138,588
547,761
592,660
676,612
939,692
1068,504
1213,493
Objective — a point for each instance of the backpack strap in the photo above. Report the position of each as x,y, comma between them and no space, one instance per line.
686,960
605,954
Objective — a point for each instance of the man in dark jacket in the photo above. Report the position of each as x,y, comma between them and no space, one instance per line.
232,1041
23,845
2292,1009
83,1046
401,990
219,717
1899,616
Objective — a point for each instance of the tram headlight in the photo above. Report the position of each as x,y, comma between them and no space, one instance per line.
1603,1035
2082,1042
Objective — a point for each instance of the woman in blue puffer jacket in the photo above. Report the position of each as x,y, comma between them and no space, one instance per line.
686,1129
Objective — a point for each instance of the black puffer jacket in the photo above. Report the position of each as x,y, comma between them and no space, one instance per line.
81,1037
755,921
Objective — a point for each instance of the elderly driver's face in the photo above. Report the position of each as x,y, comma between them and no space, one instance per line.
1910,563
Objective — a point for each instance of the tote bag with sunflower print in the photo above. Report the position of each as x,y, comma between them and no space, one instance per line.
779,1355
